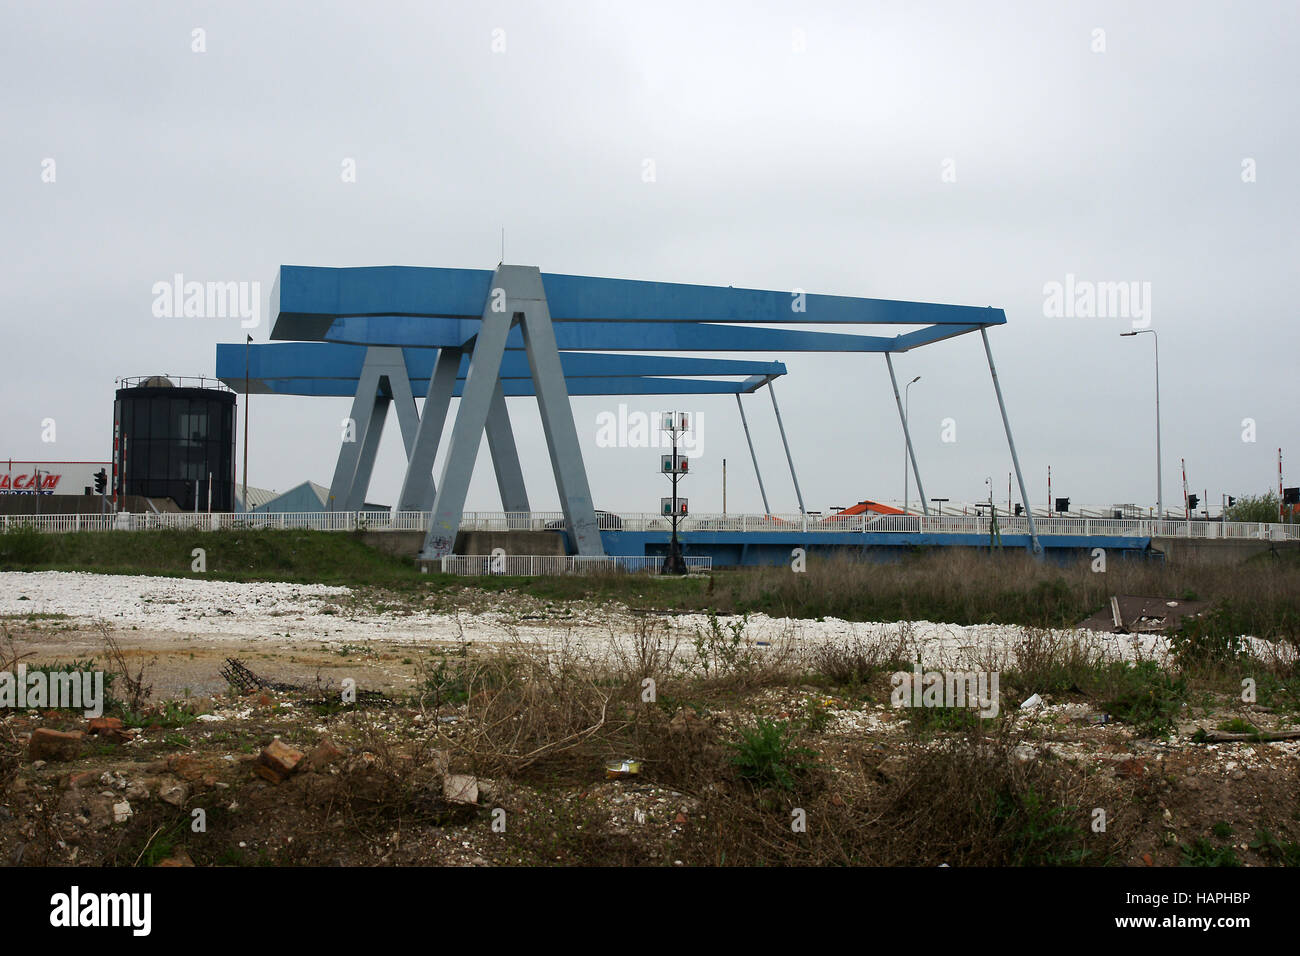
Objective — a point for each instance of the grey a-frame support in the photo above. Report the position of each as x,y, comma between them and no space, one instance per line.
516,294
1011,443
907,435
384,380
789,460
758,474
505,455
417,487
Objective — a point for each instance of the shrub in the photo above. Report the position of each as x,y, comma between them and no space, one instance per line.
1145,695
1264,508
767,755
854,662
1038,834
22,545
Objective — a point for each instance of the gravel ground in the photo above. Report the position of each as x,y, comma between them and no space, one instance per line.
219,610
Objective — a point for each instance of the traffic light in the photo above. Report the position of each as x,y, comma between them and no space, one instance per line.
1291,496
101,481
1020,509
1231,501
1192,502
1062,504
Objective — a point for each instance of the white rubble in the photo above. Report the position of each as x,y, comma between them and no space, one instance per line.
230,609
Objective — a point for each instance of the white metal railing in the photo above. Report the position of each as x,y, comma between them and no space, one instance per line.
528,565
700,524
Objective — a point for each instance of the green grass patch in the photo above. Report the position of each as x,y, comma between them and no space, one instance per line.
318,557
1201,852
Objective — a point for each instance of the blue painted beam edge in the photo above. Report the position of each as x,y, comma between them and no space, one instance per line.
321,292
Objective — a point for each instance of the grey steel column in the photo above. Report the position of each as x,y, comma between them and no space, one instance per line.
393,384
1011,443
368,440
505,456
345,469
907,435
399,386
471,417
553,403
417,487
744,421
797,493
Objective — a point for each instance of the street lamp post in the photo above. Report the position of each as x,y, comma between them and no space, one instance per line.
907,396
1160,484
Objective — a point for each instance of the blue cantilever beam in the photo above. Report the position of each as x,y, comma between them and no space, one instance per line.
414,332
511,388
435,307
284,361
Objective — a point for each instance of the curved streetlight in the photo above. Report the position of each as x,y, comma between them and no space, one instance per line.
1160,484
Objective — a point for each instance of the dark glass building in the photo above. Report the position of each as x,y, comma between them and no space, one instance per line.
175,442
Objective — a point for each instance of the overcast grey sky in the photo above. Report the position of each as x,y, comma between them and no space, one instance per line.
944,152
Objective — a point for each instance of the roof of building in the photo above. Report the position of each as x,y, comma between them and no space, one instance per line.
256,496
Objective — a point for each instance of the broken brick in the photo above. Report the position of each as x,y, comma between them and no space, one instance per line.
104,725
49,744
277,761
1132,768
186,766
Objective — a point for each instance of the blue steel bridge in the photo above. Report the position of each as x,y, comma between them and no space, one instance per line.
738,539
384,336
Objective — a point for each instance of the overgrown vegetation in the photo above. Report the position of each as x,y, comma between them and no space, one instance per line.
751,741
1265,508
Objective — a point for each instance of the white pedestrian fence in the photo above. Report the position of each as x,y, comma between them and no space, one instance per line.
721,524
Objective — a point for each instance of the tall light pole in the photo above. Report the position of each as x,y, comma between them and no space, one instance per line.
907,396
1160,483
